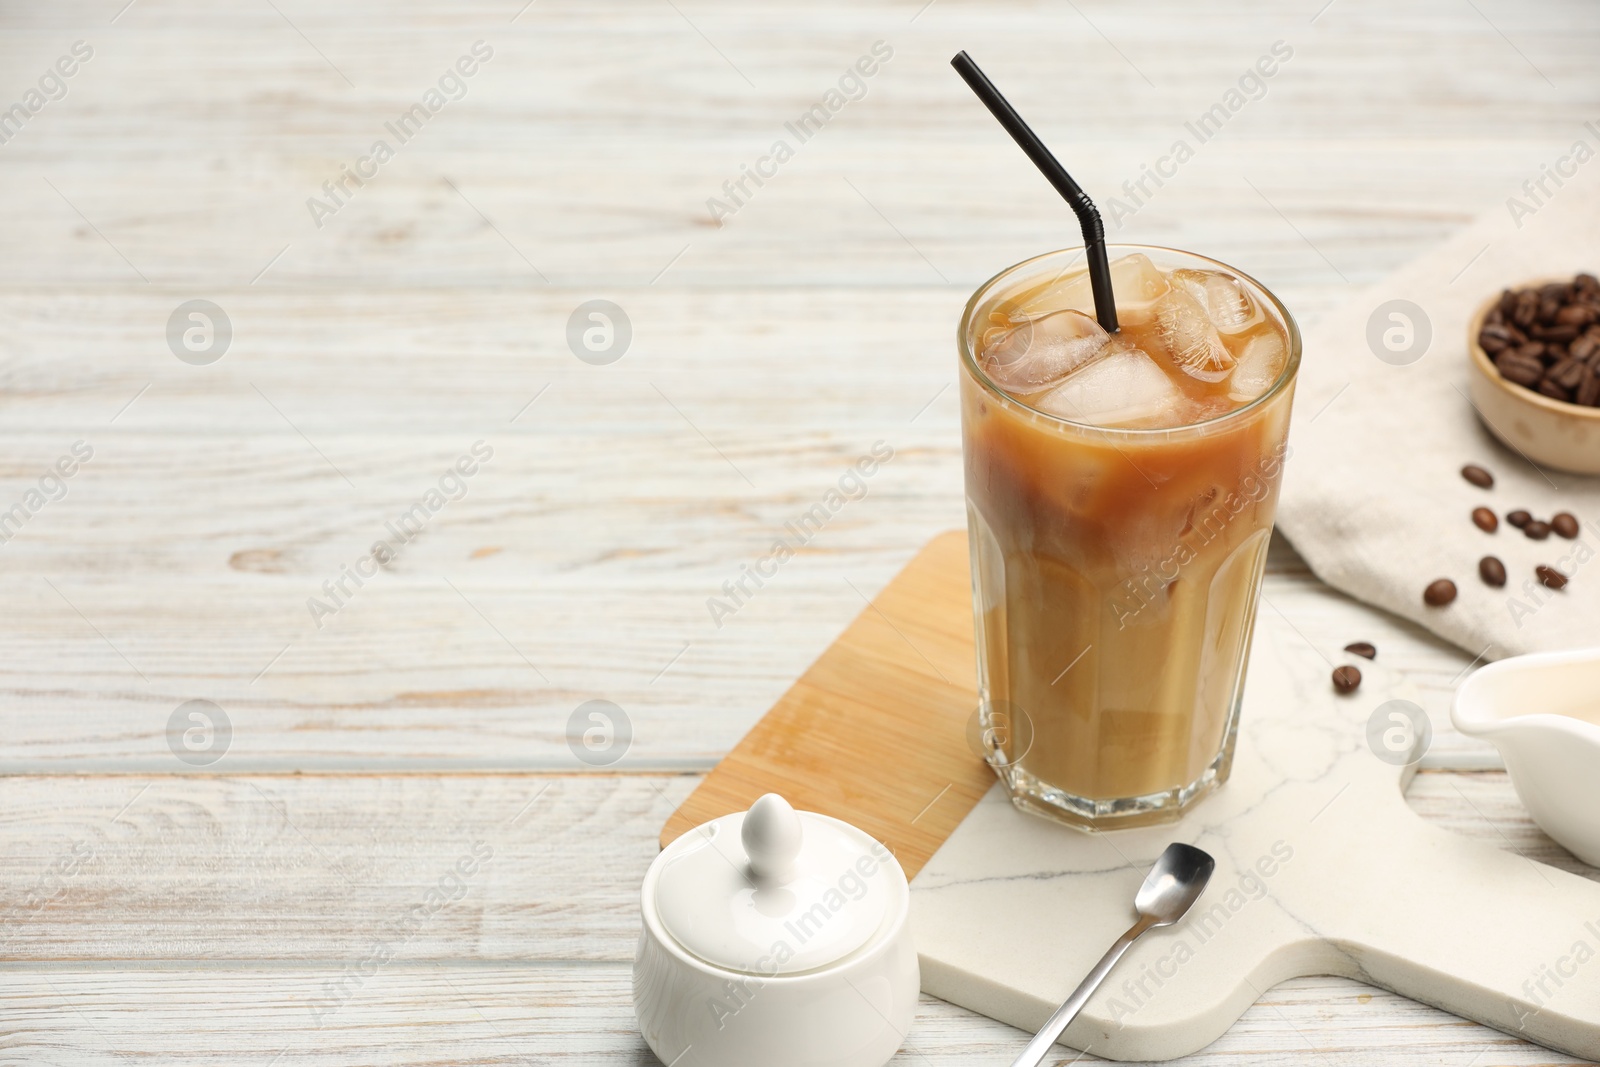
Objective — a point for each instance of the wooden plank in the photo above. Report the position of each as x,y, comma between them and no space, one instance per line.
1373,205
201,870
411,660
575,199
206,869
509,1014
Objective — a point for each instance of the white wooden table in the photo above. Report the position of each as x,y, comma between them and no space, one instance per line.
294,901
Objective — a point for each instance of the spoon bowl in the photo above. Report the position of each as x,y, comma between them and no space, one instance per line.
1174,884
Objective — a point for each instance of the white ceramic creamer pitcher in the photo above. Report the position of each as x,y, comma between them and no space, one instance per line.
775,938
1542,711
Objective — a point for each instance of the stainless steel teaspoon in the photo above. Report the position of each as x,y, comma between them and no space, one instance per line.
1169,891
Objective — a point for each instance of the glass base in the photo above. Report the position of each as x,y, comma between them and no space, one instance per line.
1035,797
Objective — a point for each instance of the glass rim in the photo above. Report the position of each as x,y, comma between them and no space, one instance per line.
1291,365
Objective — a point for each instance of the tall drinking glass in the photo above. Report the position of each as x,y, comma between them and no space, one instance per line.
1117,558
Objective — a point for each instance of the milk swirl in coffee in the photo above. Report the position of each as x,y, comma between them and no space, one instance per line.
1121,491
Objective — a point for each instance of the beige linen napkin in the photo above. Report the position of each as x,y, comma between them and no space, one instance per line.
1373,497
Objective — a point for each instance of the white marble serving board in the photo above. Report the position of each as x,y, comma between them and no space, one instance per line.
1321,869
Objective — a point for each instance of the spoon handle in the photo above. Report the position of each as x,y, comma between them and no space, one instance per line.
1035,1053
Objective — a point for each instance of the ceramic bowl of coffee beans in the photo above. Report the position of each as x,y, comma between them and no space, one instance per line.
1535,353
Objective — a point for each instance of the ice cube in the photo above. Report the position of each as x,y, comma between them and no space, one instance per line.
1257,368
1069,291
1136,284
1199,409
1231,308
1124,385
1189,338
1026,358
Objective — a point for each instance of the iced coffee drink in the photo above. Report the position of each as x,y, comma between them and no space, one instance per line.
1120,497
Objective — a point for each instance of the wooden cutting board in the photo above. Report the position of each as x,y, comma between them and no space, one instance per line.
875,732
1321,866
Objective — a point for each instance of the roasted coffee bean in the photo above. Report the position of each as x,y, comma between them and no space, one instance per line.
1566,524
1588,393
1495,317
1514,355
1440,592
1583,347
1586,283
1477,476
1568,373
1508,302
1519,518
1550,577
1492,571
1554,391
1524,372
1529,350
1346,679
1365,649
1575,315
1485,520
1526,308
1556,334
1491,342
1537,529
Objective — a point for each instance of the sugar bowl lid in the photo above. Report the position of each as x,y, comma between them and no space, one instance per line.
774,891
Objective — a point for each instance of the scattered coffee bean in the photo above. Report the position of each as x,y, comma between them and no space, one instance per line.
1365,649
1546,339
1492,571
1537,529
1550,577
1485,520
1346,679
1566,524
1519,518
1477,476
1439,593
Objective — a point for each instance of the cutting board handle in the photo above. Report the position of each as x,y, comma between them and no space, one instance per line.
1482,932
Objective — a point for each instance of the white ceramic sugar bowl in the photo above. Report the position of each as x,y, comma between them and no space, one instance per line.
775,938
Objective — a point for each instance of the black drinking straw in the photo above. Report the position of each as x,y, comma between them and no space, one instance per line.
1094,233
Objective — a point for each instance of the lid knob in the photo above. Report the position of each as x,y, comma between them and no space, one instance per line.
771,837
